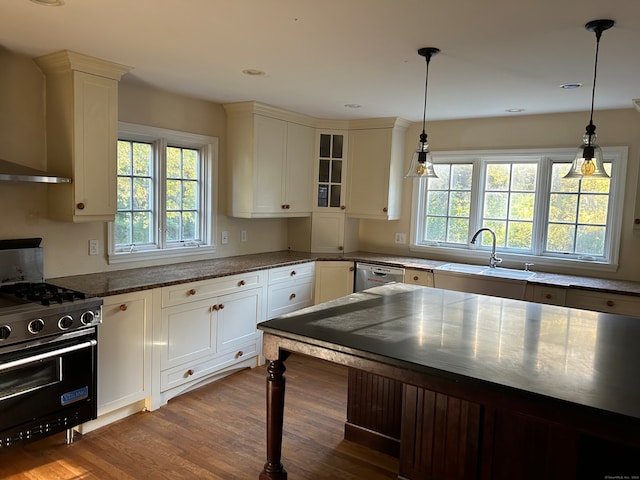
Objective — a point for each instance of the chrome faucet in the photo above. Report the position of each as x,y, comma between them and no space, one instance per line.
493,260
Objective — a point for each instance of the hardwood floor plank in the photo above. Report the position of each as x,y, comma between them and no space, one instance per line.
216,432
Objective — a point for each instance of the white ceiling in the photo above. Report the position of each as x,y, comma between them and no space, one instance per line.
319,55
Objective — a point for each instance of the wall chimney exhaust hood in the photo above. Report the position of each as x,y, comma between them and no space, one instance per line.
12,172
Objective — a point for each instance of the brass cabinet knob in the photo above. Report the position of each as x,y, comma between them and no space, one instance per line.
239,354
343,207
123,307
214,308
548,296
80,206
293,272
610,303
351,269
191,292
221,306
415,278
189,372
241,283
385,210
292,296
340,248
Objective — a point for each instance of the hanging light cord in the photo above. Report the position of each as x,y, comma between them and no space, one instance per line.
595,74
424,110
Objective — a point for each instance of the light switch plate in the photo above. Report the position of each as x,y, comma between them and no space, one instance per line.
225,237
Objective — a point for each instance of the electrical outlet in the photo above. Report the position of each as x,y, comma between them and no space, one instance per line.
401,238
93,247
243,236
225,237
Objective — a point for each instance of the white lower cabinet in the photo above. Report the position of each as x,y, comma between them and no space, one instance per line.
603,302
203,340
334,279
290,288
124,358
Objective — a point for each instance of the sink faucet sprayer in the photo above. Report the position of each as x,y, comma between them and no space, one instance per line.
493,260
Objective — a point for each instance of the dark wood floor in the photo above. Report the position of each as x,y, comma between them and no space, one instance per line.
215,432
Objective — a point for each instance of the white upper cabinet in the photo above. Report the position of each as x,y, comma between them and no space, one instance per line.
375,169
271,155
82,134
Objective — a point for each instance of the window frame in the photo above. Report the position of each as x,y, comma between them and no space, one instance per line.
545,157
160,139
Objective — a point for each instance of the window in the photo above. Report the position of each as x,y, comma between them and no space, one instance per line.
537,215
166,206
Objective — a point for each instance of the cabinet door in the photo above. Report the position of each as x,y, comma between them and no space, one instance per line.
299,168
418,277
330,171
369,161
124,353
333,280
237,318
270,144
95,139
603,302
189,332
327,232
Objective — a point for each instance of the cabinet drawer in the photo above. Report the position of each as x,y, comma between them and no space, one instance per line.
418,277
197,370
548,295
292,272
604,302
192,291
287,297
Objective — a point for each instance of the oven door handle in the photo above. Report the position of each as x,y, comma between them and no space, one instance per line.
44,356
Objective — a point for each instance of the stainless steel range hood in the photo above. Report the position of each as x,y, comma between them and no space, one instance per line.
13,172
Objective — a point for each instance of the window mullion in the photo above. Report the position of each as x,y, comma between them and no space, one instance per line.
161,191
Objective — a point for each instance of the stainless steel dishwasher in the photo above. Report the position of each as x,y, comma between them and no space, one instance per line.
370,275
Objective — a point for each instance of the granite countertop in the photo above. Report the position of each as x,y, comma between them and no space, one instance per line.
586,358
130,280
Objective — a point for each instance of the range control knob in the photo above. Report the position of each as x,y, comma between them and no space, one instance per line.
36,325
66,322
87,317
5,331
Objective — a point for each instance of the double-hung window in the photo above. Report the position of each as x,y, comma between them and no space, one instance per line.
536,214
166,200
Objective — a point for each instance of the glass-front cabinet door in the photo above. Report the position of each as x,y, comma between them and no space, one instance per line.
331,170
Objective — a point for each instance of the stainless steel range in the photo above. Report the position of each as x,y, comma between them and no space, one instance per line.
48,349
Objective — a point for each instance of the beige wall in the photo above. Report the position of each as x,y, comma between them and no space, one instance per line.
614,128
22,140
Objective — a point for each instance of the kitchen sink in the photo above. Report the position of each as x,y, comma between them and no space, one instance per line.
498,281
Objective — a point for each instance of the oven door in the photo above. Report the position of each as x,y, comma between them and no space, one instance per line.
47,387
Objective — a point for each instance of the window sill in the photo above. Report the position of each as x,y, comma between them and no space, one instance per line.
512,260
181,252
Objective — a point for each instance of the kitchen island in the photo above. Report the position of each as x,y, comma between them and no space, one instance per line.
491,387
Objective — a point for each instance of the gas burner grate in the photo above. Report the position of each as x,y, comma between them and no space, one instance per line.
43,293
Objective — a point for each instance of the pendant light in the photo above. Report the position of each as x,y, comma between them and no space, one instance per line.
588,161
421,163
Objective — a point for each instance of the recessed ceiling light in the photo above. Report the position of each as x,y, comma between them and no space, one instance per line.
253,72
570,86
352,105
49,3
514,110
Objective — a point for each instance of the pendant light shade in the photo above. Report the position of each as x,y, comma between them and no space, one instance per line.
421,162
588,160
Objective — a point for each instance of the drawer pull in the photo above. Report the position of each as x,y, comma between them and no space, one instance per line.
343,207
415,278
293,272
292,296
385,210
610,303
80,206
214,308
221,306
191,292
241,283
351,269
548,296
123,307
340,248
189,372
239,354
